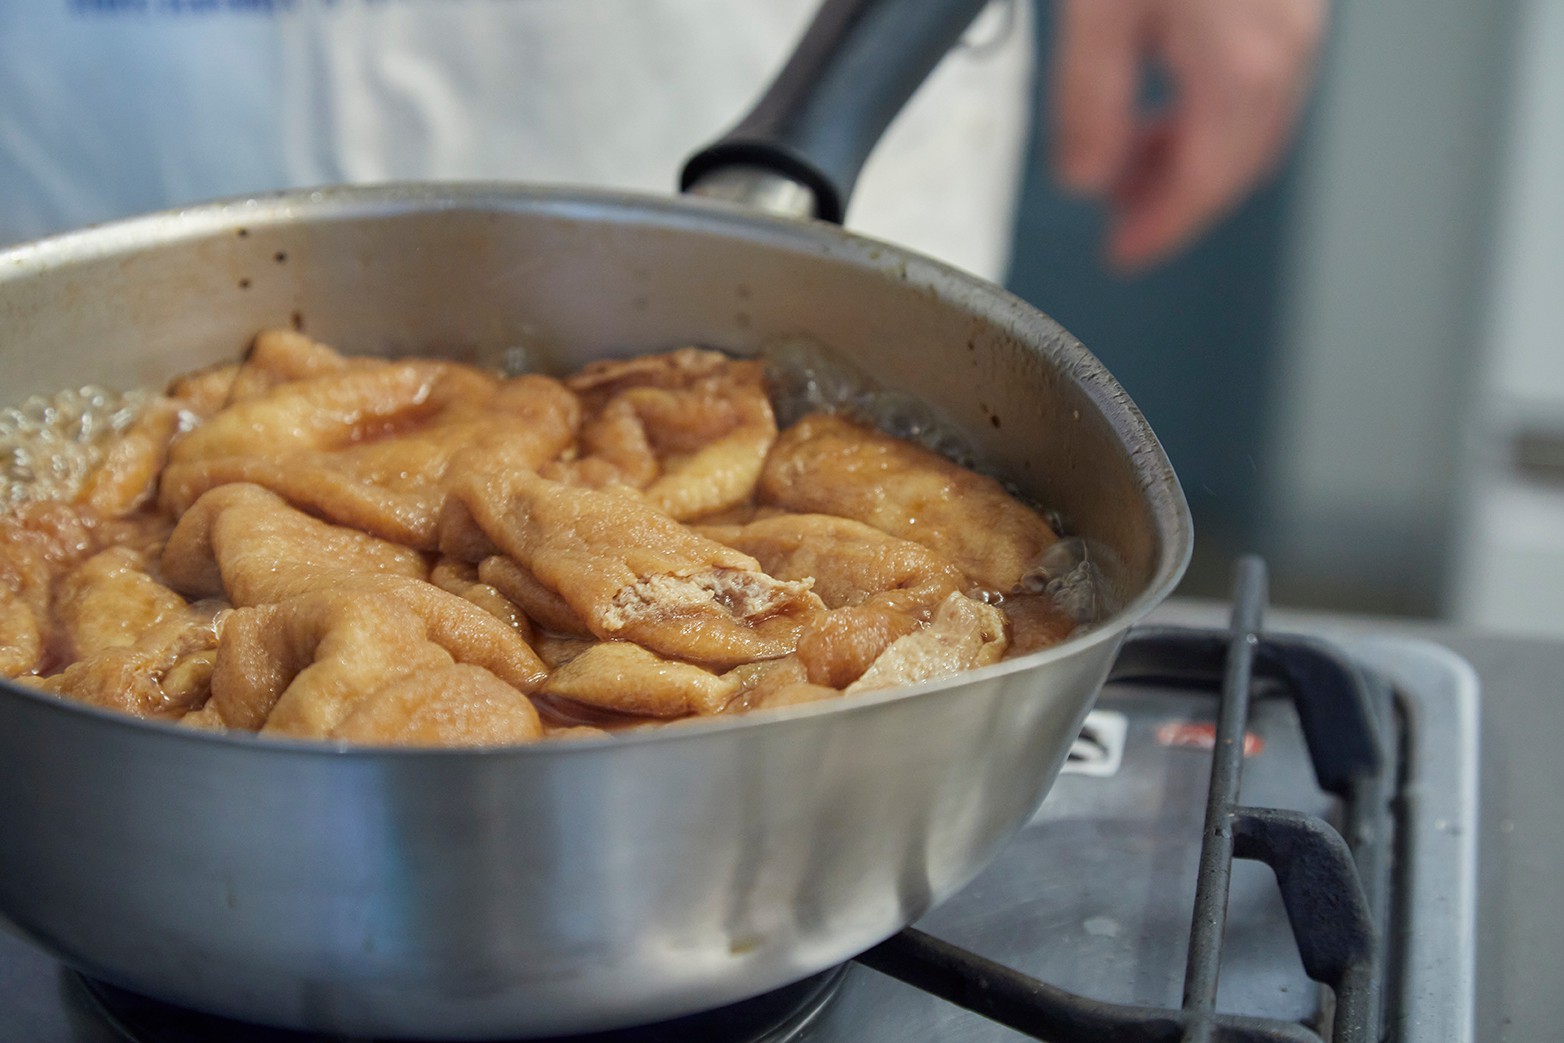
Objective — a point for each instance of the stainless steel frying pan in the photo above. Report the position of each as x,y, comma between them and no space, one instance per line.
571,886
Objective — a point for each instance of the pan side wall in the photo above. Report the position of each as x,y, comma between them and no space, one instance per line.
561,889
513,893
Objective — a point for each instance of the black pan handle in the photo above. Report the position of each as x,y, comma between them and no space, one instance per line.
856,66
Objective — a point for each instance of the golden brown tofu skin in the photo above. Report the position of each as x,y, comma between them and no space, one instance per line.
247,544
836,647
849,561
373,445
964,635
632,573
278,357
462,579
128,474
455,705
165,672
552,612
776,683
625,678
37,540
40,543
327,616
109,601
829,465
690,429
420,552
299,667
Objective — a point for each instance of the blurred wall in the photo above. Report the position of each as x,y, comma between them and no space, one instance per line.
1511,562
1383,326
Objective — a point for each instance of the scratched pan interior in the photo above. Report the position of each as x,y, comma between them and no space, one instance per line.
570,886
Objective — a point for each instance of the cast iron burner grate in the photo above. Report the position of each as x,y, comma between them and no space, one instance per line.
1334,884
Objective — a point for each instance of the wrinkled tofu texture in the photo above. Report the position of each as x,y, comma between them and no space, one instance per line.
319,606
322,413
828,465
373,445
632,573
851,562
613,450
279,357
38,542
776,683
690,429
964,635
455,705
711,441
165,672
245,543
625,678
418,552
203,392
298,667
128,473
462,579
601,379
109,601
537,601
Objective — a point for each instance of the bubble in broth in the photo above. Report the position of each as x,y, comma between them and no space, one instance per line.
50,443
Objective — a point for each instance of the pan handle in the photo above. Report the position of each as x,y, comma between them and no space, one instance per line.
801,147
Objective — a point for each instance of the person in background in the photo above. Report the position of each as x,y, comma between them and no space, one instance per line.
1238,73
115,107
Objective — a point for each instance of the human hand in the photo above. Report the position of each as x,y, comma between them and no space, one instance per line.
1239,72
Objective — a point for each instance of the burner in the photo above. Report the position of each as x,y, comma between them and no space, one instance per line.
774,1017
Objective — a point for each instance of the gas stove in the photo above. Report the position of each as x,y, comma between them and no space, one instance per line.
1258,837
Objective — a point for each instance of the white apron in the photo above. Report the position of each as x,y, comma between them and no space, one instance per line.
114,107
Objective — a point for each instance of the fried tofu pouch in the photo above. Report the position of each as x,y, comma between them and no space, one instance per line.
411,552
877,587
630,572
690,428
330,621
829,465
371,445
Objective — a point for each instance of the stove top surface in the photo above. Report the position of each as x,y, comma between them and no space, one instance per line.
1094,895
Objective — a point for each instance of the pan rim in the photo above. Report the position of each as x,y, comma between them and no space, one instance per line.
1158,483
